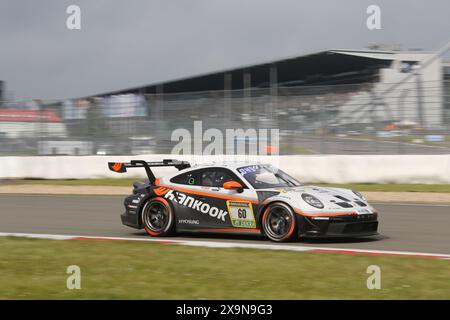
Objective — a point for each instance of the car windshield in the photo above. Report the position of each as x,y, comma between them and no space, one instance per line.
266,176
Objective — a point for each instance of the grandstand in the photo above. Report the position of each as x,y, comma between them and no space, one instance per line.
357,78
312,99
332,92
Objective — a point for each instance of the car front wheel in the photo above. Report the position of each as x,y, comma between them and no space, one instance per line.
279,222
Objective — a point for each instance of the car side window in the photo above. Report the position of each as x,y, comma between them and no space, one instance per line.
207,178
217,177
189,178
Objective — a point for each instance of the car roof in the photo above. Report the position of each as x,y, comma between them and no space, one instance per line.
227,164
232,165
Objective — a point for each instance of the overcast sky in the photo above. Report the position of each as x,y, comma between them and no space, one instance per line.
123,44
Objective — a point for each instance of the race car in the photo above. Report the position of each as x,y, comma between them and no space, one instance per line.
242,198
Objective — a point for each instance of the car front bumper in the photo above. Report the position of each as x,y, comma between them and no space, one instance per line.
338,227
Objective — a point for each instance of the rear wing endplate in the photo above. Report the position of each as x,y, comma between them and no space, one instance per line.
121,167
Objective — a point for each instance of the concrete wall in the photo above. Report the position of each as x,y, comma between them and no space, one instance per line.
328,168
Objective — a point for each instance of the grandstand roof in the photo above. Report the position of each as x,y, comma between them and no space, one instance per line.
320,68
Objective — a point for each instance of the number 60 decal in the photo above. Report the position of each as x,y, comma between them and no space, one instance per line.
242,213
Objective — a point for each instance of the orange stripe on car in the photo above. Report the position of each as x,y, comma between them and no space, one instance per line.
213,195
324,214
161,190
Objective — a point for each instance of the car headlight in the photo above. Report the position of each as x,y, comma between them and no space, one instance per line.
312,201
359,195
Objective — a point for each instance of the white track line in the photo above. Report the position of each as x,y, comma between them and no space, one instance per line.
222,244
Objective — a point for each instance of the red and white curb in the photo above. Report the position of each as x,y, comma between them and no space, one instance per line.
227,244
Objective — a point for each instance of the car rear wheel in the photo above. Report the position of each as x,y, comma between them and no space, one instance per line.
157,217
278,222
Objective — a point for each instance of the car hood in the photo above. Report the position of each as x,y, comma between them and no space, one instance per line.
334,199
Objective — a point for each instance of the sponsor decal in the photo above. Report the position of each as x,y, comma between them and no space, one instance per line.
248,169
195,204
241,214
188,221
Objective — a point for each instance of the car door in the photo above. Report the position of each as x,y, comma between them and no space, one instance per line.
201,202
239,206
196,202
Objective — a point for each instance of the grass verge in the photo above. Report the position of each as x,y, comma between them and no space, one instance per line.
34,268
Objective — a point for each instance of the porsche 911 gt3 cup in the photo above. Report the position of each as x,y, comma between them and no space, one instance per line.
242,198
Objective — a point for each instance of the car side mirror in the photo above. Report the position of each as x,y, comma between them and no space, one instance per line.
233,185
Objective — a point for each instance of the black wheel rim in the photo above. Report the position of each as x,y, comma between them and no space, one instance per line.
156,216
278,222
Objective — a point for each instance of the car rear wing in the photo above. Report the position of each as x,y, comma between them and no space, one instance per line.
121,167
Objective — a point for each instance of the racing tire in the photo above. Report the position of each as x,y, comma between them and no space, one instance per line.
158,217
278,222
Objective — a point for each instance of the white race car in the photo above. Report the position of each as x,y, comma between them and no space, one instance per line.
242,198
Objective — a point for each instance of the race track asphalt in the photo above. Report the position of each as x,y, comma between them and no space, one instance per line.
403,227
